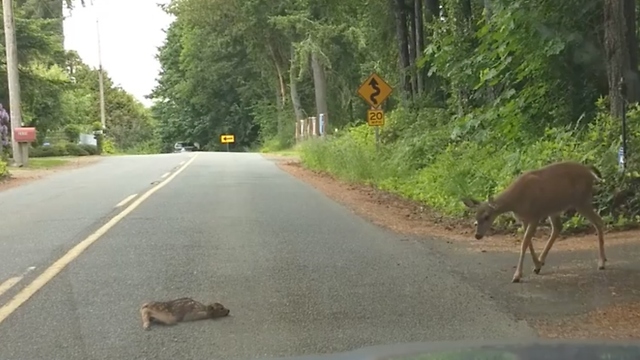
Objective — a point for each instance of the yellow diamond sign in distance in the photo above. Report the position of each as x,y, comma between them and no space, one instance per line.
374,90
375,117
227,139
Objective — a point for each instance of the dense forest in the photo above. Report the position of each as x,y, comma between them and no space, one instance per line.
60,93
483,90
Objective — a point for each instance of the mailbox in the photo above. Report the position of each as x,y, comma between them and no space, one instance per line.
25,134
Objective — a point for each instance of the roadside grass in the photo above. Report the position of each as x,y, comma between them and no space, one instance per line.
291,151
49,162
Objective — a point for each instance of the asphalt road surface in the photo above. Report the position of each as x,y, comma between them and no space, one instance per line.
300,273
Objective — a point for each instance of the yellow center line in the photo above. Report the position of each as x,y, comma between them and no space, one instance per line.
53,270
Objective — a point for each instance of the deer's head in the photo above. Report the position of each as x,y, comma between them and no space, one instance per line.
485,214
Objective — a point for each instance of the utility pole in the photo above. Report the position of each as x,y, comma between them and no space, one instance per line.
12,76
103,116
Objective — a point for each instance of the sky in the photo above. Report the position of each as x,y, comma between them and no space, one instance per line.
130,33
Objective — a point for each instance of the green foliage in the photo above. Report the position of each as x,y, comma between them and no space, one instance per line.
495,92
106,145
59,91
72,132
480,168
62,149
3,169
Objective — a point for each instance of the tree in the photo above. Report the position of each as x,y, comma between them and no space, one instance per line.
482,89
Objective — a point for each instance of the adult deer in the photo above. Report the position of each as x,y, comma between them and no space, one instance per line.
545,192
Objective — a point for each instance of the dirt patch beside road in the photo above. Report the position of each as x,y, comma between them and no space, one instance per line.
42,167
570,298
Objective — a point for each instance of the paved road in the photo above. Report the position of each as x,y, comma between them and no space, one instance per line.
301,274
40,221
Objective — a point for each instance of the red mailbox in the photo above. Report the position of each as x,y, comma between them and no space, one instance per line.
25,134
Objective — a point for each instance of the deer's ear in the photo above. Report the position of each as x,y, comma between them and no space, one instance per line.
470,203
490,198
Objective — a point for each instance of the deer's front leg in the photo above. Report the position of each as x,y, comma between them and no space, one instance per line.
534,257
526,244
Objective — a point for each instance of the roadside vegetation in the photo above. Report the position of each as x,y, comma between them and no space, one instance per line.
483,90
60,93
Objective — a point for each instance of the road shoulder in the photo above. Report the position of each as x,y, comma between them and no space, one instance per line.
569,299
42,167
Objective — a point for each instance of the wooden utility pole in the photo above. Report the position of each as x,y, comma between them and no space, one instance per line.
12,76
103,116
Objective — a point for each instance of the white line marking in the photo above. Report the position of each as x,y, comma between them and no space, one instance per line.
165,175
11,282
181,163
55,268
126,200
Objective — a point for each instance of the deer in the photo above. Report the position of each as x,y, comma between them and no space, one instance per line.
546,192
183,309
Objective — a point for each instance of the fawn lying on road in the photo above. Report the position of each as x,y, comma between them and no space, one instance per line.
536,194
183,309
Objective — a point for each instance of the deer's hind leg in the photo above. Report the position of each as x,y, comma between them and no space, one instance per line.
556,228
145,313
588,212
161,317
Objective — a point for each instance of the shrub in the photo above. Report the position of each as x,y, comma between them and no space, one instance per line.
424,162
3,169
72,133
63,150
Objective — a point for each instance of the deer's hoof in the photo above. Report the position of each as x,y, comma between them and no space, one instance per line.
515,280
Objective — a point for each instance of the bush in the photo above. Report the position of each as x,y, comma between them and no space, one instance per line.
75,150
89,149
63,150
72,132
436,169
147,147
108,147
3,169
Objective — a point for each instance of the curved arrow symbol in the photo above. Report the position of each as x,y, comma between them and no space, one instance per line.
374,85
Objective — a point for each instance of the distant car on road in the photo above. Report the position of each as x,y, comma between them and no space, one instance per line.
184,146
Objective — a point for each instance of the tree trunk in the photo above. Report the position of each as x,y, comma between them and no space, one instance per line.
320,87
281,84
491,94
403,47
419,44
293,89
615,49
413,53
433,9
632,78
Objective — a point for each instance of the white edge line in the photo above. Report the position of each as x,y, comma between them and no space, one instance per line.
165,175
126,200
181,163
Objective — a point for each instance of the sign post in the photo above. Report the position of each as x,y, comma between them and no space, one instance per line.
227,139
374,90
